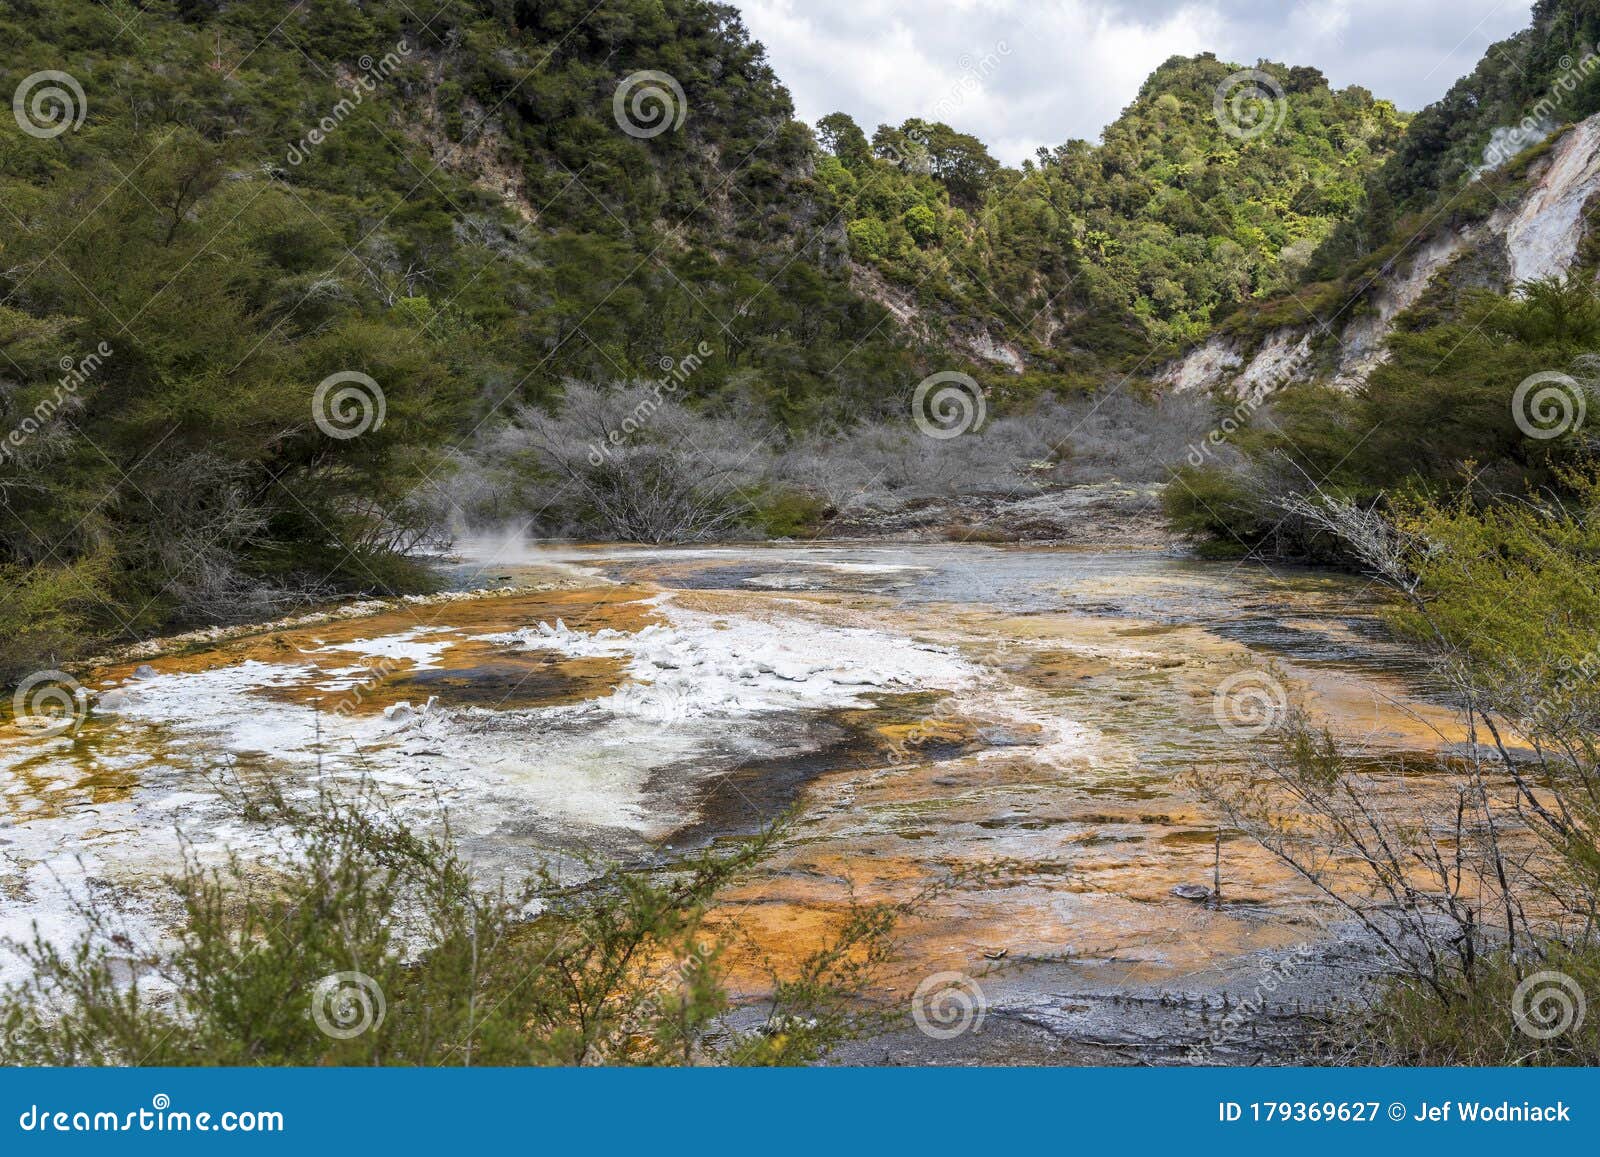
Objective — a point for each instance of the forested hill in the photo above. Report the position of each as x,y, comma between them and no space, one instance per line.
223,214
238,201
1213,188
1442,347
1523,89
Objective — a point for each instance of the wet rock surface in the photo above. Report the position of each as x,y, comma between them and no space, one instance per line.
1025,713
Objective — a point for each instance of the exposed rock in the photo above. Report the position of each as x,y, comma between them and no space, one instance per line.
984,346
1361,342
1537,237
1544,233
404,714
1204,367
113,702
868,282
974,341
1279,361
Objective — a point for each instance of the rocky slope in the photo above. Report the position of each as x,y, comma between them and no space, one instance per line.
1537,233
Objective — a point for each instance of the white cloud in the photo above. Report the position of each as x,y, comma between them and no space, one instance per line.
1065,68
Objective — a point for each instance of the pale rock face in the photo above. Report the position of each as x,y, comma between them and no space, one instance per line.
1278,362
1361,343
1543,234
1200,369
1001,353
1218,363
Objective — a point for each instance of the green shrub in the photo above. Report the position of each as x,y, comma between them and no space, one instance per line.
1210,505
1409,1024
788,514
372,944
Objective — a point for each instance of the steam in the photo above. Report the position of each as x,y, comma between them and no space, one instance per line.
1506,141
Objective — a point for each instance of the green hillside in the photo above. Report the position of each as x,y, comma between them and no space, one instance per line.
411,219
1484,391
1181,214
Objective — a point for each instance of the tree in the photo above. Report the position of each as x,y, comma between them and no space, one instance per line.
842,137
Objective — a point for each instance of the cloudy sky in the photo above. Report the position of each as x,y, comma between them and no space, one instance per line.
1024,73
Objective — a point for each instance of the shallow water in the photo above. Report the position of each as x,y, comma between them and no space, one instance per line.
926,709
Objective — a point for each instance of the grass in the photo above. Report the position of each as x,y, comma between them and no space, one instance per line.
1409,1024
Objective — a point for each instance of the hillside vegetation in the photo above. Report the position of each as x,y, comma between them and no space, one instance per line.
1486,384
435,196
274,283
1186,210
